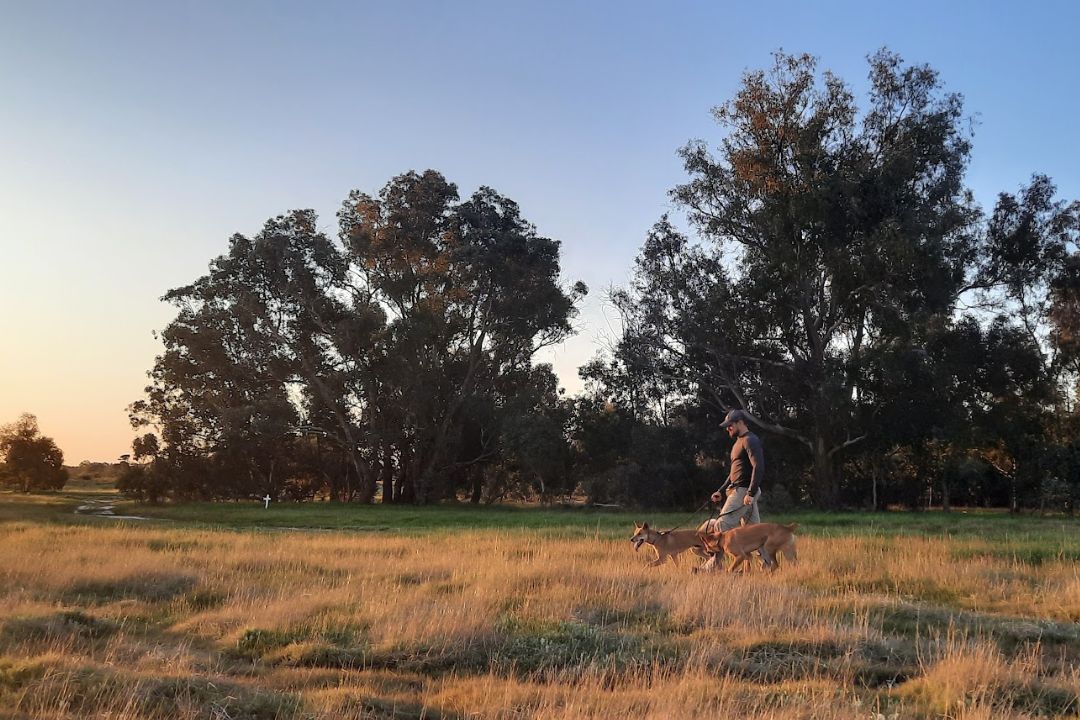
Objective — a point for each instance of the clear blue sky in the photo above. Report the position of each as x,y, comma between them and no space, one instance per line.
135,137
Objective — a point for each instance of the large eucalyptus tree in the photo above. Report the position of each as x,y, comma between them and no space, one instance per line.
826,231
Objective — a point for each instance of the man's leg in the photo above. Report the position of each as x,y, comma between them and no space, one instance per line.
737,511
733,510
727,520
753,517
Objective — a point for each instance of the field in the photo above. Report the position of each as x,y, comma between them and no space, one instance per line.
231,611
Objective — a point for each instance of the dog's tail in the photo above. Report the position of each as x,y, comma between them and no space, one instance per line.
791,527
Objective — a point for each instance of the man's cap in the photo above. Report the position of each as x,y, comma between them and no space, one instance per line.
733,417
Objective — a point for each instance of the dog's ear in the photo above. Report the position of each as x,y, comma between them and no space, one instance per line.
644,526
637,525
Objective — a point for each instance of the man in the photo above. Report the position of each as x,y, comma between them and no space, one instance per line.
745,477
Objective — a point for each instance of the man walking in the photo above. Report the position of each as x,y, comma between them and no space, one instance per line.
745,477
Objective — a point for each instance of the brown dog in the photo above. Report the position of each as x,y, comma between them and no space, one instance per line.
739,542
667,544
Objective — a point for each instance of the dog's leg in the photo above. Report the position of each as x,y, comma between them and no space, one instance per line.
707,566
790,553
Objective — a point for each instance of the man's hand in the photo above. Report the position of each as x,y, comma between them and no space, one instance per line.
748,499
716,496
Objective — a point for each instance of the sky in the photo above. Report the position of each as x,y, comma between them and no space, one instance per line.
137,137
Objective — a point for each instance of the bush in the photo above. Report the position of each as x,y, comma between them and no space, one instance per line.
143,483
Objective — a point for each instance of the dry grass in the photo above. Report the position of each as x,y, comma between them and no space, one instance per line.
149,622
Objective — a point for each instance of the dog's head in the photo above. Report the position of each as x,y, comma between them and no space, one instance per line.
642,534
713,541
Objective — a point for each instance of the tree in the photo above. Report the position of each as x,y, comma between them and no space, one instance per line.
533,423
826,233
1064,314
29,461
388,348
471,292
1030,272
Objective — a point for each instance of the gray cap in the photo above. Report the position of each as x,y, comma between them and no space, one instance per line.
733,417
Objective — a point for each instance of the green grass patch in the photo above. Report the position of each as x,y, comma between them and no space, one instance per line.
166,697
529,649
932,698
1011,634
649,618
343,646
1027,538
40,508
17,673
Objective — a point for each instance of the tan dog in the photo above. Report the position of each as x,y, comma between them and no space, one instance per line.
739,542
668,544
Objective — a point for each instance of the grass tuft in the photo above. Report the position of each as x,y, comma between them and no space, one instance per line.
149,587
66,625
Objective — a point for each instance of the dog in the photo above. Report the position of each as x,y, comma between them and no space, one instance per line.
668,544
769,538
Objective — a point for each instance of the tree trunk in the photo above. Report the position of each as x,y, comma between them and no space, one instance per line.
405,490
388,473
874,474
365,484
478,487
824,477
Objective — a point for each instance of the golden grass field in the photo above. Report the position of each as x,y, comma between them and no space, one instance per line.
107,619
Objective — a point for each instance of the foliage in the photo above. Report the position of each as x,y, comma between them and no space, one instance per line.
845,289
893,342
30,461
299,366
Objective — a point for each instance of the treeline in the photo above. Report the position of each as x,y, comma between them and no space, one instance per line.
894,342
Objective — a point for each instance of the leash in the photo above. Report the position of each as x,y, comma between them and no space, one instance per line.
700,508
743,508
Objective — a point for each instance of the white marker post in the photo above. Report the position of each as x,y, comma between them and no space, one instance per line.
266,502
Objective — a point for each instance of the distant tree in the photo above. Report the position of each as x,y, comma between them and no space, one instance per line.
29,461
534,423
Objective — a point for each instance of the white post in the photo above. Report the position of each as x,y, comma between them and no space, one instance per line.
266,502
